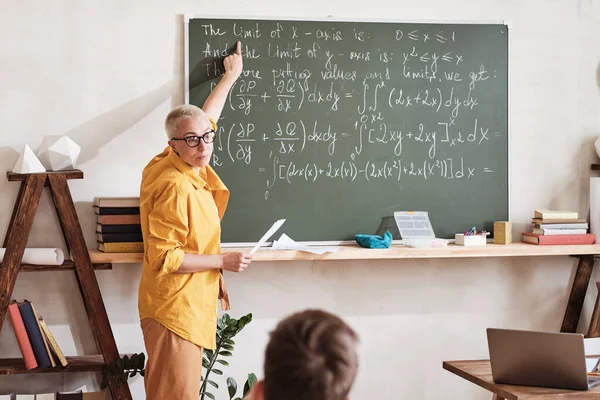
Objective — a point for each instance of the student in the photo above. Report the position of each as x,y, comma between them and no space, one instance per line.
182,201
311,355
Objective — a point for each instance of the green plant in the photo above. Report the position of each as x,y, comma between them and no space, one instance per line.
232,387
227,328
129,366
122,369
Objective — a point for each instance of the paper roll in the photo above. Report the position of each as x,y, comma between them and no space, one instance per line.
41,256
595,207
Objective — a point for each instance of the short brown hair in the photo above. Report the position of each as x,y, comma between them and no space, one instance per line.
311,355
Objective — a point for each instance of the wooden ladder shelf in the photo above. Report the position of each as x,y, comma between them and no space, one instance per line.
19,229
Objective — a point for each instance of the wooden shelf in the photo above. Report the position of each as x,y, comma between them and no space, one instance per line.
71,174
66,266
10,366
355,252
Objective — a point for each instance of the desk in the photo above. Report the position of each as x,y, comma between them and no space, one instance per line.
479,372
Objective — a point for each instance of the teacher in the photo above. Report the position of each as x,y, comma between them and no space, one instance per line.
182,202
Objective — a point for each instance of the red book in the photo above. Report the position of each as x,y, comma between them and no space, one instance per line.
21,334
534,238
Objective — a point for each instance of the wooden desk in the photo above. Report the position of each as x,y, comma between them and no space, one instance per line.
479,372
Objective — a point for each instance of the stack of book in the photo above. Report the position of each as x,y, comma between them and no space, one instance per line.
555,227
58,396
36,342
118,229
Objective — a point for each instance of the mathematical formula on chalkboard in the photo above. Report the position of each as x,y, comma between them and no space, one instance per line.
396,108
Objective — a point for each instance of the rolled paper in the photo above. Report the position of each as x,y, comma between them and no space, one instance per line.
41,256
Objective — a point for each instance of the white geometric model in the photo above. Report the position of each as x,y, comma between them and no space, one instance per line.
597,146
28,163
58,154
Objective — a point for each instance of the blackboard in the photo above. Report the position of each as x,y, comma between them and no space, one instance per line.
334,125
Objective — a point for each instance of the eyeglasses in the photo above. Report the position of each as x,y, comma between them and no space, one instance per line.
194,141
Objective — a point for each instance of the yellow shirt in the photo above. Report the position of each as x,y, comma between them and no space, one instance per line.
180,213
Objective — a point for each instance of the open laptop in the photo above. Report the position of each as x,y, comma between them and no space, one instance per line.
543,359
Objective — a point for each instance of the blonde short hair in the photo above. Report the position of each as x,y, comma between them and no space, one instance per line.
177,114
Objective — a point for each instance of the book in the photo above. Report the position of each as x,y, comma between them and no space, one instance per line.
44,396
555,214
561,226
117,202
119,219
95,396
21,334
34,335
537,239
558,221
37,319
52,342
126,228
119,237
122,247
117,210
559,231
25,397
78,395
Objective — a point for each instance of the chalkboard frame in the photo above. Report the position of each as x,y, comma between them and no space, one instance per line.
508,24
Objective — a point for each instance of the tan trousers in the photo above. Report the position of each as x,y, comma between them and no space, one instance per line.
174,365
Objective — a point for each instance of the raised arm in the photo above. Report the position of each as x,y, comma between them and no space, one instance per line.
233,68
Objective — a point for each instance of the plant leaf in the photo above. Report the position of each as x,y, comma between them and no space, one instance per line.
228,341
213,383
231,387
227,347
209,395
205,363
223,362
217,371
225,353
250,382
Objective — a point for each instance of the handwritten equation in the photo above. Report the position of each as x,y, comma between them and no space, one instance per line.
342,102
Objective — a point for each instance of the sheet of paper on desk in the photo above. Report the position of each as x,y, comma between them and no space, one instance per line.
287,243
591,364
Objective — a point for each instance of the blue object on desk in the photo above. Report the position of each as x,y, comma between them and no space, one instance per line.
374,241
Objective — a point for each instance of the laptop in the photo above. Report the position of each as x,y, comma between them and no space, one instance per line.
543,359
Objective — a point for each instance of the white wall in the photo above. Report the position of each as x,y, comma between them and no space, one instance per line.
107,72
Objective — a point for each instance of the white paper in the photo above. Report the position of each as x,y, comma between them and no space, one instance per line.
287,243
42,256
267,235
591,364
595,207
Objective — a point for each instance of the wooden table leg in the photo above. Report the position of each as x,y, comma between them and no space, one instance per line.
577,296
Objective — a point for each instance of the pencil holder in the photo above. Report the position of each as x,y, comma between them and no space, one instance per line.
470,240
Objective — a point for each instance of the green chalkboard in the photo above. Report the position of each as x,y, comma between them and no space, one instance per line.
334,125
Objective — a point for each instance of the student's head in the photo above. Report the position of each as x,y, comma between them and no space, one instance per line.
311,355
185,126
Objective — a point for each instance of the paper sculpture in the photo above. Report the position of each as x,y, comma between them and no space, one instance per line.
28,163
59,154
